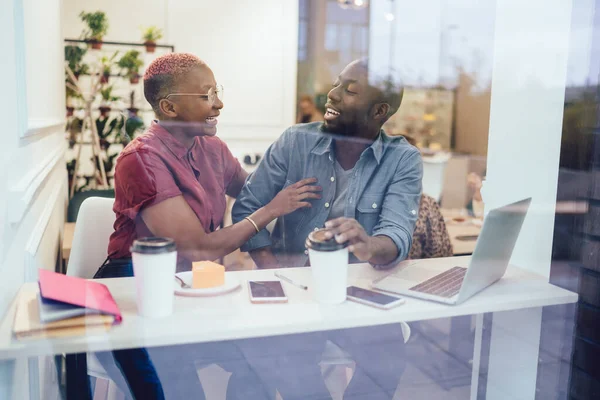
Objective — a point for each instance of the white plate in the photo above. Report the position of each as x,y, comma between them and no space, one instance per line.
231,283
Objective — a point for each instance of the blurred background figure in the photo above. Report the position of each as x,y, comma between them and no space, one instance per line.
307,111
430,238
475,183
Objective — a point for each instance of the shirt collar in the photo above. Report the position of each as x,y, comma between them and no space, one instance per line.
325,143
172,144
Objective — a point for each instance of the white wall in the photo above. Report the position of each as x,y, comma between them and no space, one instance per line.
32,172
125,18
250,45
528,87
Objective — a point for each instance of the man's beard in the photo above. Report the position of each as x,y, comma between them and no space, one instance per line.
349,129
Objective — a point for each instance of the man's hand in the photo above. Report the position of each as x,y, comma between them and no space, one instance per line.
350,230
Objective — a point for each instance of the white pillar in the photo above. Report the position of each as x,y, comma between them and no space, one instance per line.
531,48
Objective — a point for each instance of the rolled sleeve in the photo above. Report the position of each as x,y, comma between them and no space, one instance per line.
262,186
142,180
401,206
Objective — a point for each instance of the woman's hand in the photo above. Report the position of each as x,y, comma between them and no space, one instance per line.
294,197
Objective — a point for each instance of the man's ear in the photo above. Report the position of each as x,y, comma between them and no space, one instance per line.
380,111
167,108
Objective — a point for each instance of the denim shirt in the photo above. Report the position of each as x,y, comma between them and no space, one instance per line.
384,190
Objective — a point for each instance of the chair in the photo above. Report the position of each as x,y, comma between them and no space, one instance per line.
90,242
434,168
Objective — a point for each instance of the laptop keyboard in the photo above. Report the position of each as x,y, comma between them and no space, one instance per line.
446,284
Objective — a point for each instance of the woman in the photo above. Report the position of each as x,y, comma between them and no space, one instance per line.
308,111
172,181
430,238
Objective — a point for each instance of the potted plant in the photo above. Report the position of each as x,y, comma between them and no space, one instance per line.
150,35
133,110
104,131
74,127
107,64
131,63
107,98
97,26
71,170
82,69
71,94
133,125
74,56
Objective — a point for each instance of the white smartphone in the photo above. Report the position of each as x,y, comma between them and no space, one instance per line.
266,292
371,298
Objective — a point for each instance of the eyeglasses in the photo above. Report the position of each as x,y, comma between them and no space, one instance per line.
212,95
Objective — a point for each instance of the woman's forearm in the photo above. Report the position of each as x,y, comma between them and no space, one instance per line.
224,241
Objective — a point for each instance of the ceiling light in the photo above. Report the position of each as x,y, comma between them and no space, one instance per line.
355,4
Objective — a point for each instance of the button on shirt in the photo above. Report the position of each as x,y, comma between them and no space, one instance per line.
155,167
341,190
383,189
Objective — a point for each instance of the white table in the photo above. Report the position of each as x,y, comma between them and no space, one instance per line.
515,300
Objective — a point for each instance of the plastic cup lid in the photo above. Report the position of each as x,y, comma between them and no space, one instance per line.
318,242
153,245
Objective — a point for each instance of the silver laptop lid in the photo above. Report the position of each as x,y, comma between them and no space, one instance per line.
494,247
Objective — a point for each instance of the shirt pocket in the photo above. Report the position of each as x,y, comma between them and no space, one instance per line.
368,209
293,221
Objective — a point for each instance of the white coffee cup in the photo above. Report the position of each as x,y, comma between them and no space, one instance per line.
329,264
154,264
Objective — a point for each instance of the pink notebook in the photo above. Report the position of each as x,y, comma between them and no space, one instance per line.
94,296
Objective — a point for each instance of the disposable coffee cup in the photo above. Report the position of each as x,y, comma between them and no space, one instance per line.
329,264
154,264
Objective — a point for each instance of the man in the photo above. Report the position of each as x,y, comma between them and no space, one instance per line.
371,182
371,192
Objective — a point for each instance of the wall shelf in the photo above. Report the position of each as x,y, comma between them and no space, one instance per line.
158,46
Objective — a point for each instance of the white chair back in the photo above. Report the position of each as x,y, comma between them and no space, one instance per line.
90,240
90,244
434,169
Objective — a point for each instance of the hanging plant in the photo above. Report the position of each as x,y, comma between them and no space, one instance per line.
150,35
97,26
131,63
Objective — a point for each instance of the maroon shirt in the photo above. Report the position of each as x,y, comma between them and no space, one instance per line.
155,167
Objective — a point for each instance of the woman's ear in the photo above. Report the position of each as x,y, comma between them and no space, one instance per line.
167,108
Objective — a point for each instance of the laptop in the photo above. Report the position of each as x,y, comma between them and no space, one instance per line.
488,263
